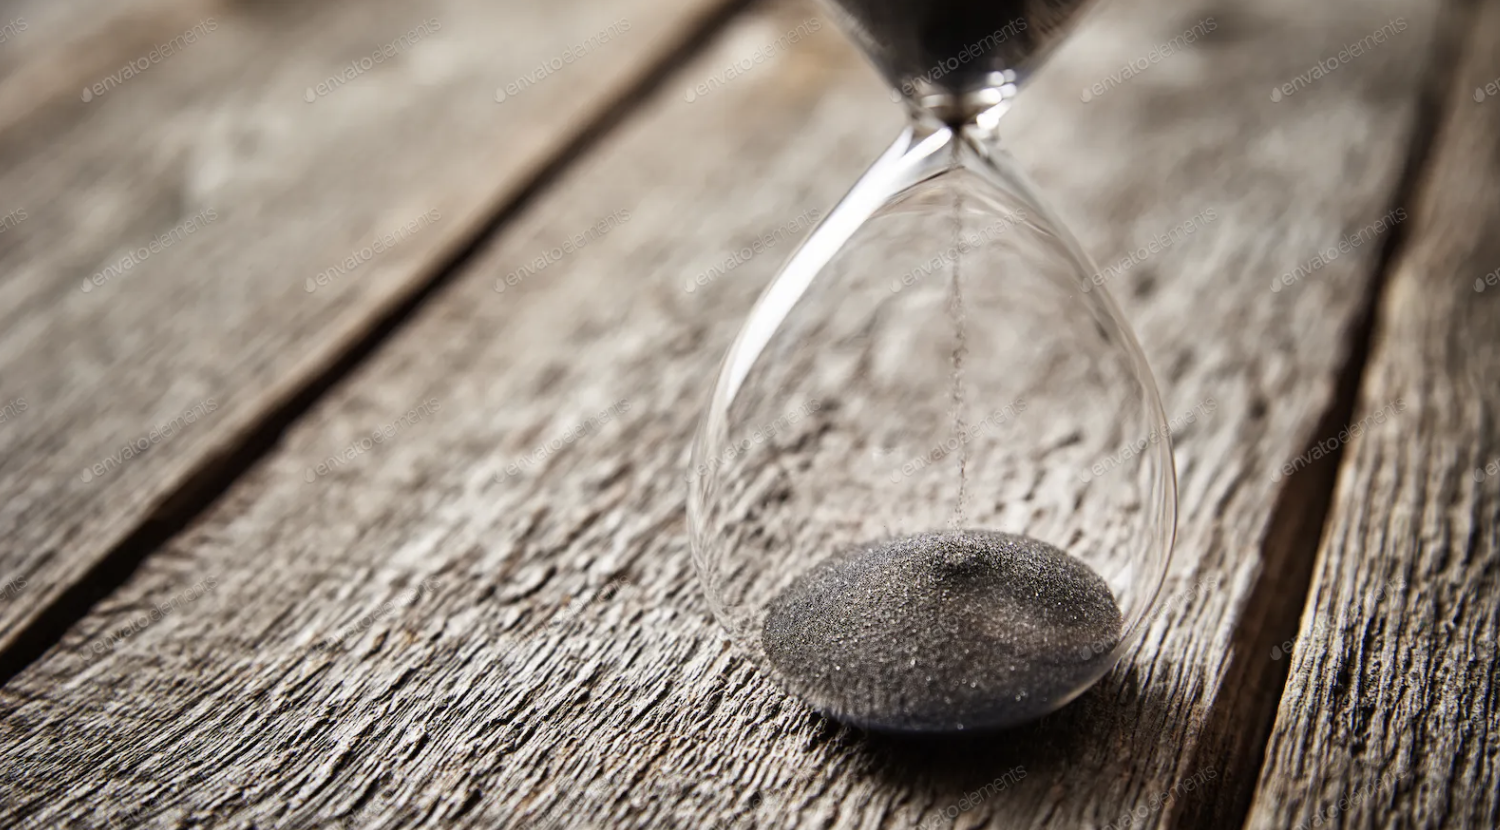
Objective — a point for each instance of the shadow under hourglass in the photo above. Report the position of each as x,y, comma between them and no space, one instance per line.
1027,761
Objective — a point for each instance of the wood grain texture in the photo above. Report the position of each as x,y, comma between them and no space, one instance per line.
418,638
49,49
1391,716
187,249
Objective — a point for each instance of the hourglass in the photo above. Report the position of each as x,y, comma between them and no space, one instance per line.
933,489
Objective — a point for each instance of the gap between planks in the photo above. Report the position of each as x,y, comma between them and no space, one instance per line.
1300,516
215,474
1393,704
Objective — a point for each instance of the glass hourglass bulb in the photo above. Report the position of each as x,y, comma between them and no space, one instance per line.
933,489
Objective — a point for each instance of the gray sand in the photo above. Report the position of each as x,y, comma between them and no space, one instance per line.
942,631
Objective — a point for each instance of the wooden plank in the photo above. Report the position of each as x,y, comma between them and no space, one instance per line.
418,638
199,241
1391,716
49,49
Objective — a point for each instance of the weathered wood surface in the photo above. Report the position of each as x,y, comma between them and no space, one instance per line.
258,193
418,639
49,49
1391,716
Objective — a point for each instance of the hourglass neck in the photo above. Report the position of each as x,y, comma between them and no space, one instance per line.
979,130
976,111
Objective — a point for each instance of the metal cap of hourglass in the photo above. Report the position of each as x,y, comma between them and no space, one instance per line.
951,58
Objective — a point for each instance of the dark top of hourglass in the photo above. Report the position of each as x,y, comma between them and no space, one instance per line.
955,45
